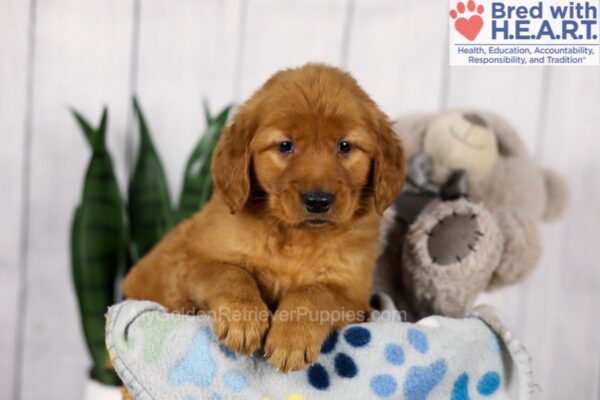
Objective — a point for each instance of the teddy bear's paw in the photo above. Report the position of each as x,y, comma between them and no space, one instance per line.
454,238
449,256
457,239
522,248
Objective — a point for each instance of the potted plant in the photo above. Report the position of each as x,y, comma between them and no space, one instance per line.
109,236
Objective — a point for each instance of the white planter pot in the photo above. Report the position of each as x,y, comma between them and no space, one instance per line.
97,391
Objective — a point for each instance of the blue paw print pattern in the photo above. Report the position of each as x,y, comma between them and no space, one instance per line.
234,380
357,336
460,391
329,344
344,365
318,376
394,354
384,385
420,381
487,385
197,367
418,340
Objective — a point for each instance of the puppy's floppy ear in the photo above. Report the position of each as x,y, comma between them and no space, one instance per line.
231,164
389,167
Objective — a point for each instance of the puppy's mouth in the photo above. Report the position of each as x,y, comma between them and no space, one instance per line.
317,222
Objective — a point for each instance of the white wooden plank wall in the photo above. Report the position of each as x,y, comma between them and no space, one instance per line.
82,53
185,53
58,53
559,305
14,26
404,71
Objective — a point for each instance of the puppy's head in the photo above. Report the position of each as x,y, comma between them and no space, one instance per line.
314,146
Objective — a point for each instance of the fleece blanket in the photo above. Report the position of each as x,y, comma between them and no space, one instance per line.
171,356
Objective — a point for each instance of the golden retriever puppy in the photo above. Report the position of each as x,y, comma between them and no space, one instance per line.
284,252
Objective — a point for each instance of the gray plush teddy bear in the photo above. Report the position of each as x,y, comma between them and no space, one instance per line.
467,220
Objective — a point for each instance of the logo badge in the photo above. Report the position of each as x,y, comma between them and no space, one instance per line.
524,32
467,20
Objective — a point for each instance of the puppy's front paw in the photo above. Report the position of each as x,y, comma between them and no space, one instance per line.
241,325
292,345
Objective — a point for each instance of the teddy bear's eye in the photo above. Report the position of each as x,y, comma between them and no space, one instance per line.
503,150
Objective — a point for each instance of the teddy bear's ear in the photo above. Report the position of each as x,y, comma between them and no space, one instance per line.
411,129
556,195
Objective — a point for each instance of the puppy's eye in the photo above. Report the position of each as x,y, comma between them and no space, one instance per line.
285,147
344,147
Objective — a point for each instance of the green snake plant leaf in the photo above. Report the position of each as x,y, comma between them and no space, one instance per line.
149,205
98,242
197,179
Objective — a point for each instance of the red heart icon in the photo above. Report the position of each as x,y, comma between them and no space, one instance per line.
469,28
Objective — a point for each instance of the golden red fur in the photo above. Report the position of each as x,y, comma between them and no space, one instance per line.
256,246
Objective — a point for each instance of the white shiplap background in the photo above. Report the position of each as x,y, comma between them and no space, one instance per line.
58,53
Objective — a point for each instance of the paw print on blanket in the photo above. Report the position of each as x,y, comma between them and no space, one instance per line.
455,359
344,364
487,385
199,368
419,380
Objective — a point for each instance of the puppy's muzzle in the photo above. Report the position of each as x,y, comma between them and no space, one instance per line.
317,201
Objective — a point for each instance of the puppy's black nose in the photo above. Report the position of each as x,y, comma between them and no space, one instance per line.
317,201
